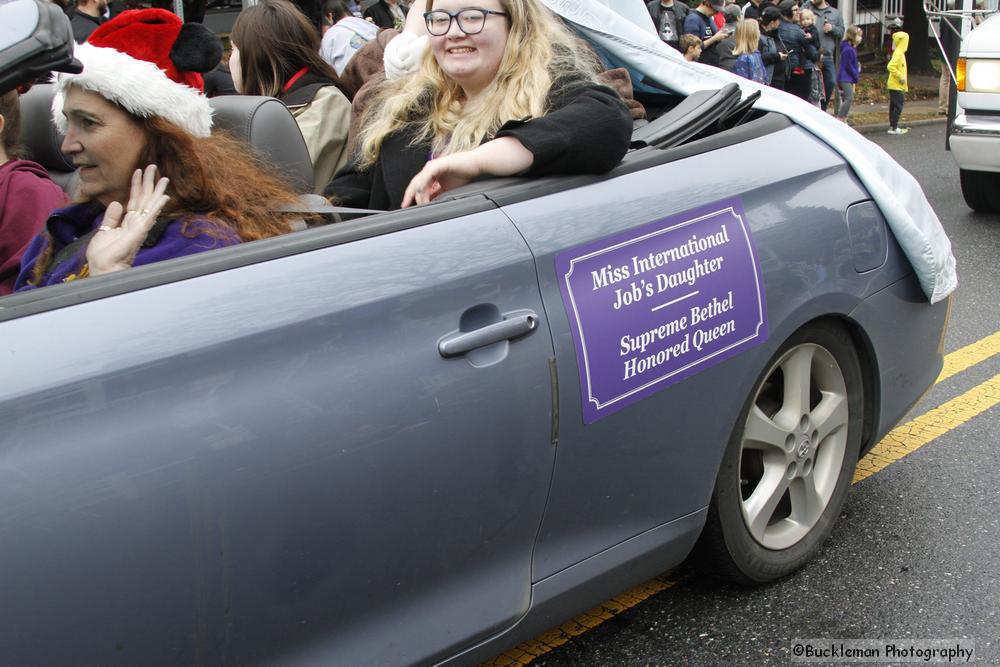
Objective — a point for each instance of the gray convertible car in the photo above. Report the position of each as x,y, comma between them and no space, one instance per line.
425,435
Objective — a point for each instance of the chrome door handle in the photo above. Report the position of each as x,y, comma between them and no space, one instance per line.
514,324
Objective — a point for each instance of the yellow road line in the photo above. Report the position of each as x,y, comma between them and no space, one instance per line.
914,434
556,637
899,442
970,355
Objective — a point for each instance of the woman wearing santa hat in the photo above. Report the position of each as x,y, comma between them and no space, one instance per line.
154,183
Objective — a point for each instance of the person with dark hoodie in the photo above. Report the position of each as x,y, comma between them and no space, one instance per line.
27,194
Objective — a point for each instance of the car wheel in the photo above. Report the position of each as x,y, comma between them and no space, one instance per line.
789,461
981,190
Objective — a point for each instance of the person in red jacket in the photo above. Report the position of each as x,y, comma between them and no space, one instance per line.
27,194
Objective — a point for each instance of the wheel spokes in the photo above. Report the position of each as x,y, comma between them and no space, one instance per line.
762,433
807,502
797,371
830,416
760,506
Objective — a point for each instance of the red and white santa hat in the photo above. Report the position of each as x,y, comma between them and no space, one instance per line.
147,61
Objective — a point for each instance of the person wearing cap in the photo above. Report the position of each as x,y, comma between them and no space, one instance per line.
772,50
134,113
801,54
700,24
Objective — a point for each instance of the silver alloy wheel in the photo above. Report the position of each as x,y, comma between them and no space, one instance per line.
793,446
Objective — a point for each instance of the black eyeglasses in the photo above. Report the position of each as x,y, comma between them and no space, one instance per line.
471,20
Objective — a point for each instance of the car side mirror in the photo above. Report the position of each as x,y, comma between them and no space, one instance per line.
35,38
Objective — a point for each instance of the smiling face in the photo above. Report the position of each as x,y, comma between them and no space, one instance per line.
104,143
471,60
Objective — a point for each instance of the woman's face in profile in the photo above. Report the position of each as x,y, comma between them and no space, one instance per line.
471,60
104,143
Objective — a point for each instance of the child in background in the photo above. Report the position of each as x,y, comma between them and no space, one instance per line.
807,20
749,63
849,72
897,81
690,46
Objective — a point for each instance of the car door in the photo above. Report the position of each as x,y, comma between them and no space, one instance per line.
263,456
639,447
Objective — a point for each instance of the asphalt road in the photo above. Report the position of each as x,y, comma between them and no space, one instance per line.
914,555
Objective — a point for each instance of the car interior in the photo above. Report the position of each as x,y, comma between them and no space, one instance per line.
677,127
268,126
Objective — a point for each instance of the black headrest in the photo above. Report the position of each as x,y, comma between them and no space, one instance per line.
39,134
267,125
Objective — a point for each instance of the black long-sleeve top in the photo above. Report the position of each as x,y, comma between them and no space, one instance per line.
586,131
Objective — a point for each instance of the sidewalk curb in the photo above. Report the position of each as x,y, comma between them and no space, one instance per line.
883,127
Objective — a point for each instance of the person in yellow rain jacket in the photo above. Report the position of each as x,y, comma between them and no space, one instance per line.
897,80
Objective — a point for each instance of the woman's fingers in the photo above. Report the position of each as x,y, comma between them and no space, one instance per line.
147,192
414,191
430,191
113,216
134,191
149,178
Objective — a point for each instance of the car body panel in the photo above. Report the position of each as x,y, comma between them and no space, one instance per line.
237,467
260,455
655,461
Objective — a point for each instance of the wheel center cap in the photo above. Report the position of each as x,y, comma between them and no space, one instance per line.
803,446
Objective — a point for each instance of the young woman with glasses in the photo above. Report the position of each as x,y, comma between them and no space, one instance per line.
504,89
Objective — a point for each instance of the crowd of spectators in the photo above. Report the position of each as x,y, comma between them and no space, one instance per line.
780,43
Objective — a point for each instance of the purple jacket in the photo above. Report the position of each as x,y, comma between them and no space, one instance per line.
65,225
849,70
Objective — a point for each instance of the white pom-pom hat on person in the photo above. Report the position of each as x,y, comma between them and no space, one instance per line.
147,62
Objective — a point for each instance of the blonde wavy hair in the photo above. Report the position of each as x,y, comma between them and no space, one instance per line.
540,51
747,37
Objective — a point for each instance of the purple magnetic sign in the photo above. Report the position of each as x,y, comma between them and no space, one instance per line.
659,303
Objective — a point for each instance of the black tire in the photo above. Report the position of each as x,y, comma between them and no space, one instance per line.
981,190
781,540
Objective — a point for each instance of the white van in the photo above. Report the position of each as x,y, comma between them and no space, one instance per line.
975,131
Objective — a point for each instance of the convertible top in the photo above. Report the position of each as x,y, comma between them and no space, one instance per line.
624,29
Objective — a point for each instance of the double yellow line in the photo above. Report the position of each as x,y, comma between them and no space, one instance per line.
899,442
916,433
